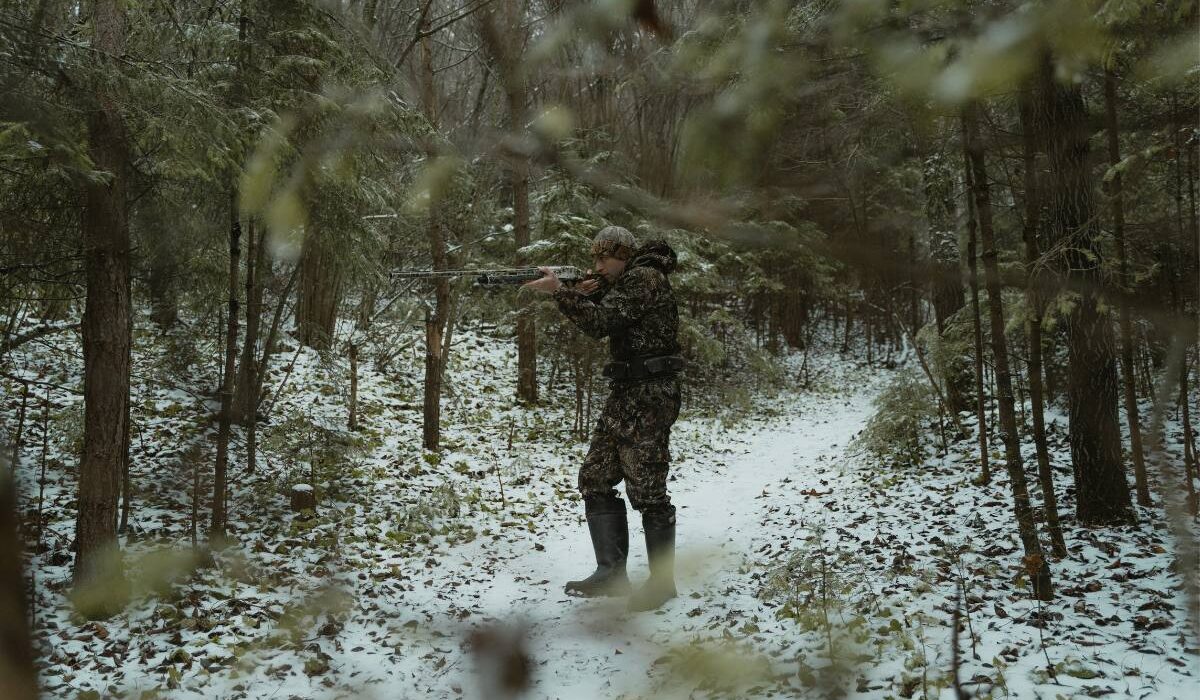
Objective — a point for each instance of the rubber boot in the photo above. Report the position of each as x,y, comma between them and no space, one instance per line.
610,542
660,548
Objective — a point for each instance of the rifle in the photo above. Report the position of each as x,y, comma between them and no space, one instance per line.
496,278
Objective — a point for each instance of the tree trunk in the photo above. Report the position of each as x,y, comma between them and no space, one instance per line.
849,322
18,669
320,291
1102,493
527,386
502,32
162,282
225,419
367,306
1035,563
435,319
914,285
247,388
126,482
1036,309
1128,378
985,473
1189,452
19,433
946,290
245,399
269,342
1187,232
106,334
229,374
352,421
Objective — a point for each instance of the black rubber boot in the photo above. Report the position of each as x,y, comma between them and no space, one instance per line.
610,541
660,548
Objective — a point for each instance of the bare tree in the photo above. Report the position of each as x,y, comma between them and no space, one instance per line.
436,319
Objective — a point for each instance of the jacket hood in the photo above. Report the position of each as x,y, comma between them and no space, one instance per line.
656,254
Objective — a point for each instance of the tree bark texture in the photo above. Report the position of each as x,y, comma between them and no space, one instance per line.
1102,495
106,336
320,291
1036,308
1035,563
435,318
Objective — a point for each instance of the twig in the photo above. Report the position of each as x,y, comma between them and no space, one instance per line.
34,334
282,384
503,500
962,577
195,457
954,660
1041,622
42,477
937,388
16,453
39,382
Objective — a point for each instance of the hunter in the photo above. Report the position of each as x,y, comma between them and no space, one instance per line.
632,304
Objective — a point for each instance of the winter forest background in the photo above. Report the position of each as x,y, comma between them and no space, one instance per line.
938,284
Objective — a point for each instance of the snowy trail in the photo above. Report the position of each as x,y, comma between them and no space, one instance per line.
593,648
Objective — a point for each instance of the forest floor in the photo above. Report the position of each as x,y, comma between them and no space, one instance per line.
441,575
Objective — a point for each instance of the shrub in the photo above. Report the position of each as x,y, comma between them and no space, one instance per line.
897,432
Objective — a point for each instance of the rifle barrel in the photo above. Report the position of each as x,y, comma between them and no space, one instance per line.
501,276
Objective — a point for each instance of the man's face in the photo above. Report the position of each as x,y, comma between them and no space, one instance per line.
610,267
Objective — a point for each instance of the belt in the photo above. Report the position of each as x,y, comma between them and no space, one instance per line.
643,367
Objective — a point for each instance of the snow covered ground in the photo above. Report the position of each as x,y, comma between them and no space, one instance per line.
441,575
724,493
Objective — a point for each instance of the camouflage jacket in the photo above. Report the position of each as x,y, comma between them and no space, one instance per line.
637,313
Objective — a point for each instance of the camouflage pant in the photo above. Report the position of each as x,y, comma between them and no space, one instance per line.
631,442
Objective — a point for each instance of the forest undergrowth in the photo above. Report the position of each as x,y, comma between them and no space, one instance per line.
285,581
858,568
905,550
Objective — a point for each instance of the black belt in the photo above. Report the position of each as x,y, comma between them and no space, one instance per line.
643,367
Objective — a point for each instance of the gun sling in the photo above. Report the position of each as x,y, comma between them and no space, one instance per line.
643,367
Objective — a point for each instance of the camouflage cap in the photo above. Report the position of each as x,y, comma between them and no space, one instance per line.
614,242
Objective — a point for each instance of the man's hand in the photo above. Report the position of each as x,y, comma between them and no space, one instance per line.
588,286
548,282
